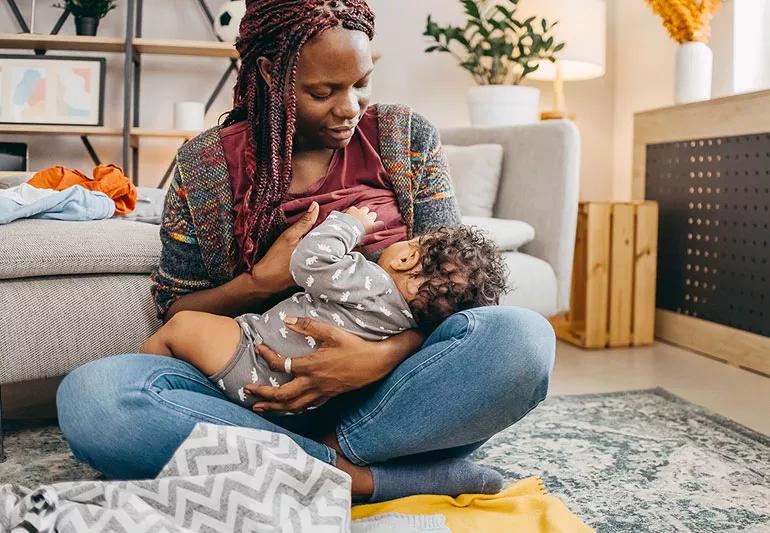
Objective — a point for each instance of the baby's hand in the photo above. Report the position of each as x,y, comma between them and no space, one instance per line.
364,216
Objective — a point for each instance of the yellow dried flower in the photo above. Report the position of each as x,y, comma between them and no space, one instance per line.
686,20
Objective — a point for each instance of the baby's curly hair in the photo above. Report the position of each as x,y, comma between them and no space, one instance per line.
464,269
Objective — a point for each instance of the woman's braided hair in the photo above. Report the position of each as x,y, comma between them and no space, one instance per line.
277,30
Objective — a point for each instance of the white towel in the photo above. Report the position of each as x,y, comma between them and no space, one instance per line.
403,523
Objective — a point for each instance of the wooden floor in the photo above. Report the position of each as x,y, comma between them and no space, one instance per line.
737,394
730,391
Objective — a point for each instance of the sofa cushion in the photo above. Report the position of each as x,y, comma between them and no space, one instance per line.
12,179
532,282
475,172
509,235
54,324
33,248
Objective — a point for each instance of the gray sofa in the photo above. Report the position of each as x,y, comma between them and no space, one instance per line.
72,292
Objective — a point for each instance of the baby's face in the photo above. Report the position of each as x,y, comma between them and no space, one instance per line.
402,260
399,251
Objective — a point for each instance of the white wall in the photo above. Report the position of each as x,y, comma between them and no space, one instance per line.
752,45
640,66
436,86
431,83
644,75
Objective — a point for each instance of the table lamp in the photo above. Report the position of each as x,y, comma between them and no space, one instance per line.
583,26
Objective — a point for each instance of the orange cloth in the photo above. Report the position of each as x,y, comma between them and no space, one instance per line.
108,179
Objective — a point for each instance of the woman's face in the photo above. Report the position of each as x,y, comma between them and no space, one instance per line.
333,88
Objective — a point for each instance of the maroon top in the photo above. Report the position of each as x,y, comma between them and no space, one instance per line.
355,177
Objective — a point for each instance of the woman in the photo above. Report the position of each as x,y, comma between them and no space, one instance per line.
400,415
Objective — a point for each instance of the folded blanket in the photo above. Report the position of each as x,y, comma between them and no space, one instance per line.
108,179
524,506
75,203
221,478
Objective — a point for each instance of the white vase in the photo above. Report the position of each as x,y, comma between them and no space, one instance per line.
503,105
693,72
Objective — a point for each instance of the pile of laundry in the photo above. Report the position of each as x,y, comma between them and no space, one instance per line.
66,194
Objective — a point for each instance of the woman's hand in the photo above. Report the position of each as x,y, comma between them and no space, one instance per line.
343,362
272,273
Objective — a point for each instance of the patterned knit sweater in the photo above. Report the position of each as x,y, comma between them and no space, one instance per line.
199,245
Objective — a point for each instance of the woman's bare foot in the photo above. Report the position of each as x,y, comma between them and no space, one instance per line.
361,476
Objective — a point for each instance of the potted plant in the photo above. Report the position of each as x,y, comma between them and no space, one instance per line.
499,51
87,13
689,24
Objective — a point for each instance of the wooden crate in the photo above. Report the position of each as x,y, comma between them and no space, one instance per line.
612,301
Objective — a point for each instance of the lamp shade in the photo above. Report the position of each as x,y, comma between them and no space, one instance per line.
583,26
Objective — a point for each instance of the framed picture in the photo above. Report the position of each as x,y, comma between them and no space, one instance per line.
52,90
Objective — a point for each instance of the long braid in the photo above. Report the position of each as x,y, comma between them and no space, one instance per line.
277,30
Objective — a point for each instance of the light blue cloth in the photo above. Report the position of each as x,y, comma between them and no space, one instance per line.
403,523
73,203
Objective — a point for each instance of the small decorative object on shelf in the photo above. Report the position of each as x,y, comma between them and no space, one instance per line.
499,51
87,13
689,23
228,20
612,300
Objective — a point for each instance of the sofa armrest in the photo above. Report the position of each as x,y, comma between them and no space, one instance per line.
539,184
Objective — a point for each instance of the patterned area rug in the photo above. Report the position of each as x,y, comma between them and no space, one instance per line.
641,461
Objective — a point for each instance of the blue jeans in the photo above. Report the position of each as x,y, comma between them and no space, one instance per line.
478,373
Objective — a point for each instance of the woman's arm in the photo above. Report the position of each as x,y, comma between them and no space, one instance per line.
236,297
435,204
181,281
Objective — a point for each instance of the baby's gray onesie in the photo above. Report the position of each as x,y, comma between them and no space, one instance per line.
341,288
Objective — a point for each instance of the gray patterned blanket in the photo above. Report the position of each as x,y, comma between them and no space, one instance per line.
220,479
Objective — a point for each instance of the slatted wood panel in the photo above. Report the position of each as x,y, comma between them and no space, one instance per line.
612,302
622,275
645,272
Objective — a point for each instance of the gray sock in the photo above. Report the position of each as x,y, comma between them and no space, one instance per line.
448,477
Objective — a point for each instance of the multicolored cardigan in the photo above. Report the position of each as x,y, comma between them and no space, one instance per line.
199,246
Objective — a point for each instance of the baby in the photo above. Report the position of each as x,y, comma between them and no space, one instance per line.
414,284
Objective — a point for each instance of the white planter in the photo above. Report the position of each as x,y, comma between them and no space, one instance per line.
693,72
503,105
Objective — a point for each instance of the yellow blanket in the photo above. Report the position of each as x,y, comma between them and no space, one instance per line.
524,507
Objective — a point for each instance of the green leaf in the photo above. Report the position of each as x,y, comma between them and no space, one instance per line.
505,11
471,9
559,47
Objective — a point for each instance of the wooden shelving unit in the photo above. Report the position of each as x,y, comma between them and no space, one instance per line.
133,46
166,134
44,129
184,48
27,41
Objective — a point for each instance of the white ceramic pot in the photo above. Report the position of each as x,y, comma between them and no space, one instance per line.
693,72
503,105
